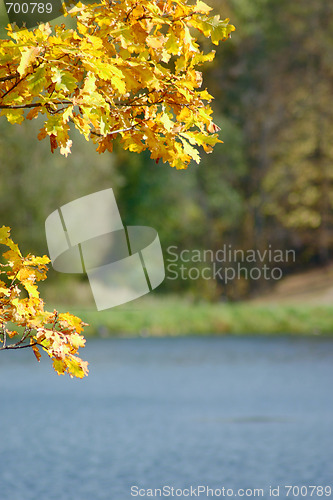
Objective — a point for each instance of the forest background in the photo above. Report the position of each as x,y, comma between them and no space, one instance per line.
268,186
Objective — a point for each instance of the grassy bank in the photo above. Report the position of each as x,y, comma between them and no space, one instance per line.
174,316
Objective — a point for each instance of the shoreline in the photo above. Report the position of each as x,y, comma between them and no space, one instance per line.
175,317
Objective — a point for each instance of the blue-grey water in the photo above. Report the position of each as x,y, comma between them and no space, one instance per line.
218,412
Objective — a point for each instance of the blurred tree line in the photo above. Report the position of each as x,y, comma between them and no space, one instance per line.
270,183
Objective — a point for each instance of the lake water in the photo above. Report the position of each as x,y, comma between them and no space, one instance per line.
217,412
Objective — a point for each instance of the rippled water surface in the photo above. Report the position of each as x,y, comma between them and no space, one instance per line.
233,412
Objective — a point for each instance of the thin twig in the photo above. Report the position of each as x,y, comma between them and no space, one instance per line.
15,346
9,77
26,332
112,132
31,105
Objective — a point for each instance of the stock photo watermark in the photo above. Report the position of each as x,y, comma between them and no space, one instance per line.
227,263
87,236
28,14
287,491
123,263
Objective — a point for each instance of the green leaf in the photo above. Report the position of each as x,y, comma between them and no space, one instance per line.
13,115
37,81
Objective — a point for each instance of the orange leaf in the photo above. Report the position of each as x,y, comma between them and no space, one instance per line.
33,113
53,142
35,350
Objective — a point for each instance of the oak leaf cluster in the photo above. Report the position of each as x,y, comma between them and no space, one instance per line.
129,70
24,319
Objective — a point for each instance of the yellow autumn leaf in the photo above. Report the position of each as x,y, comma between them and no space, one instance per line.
13,115
4,291
28,57
4,234
154,42
71,321
14,259
31,289
202,7
77,341
37,261
76,367
59,366
166,122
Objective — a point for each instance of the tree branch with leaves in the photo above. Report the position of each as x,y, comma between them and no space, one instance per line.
22,314
129,70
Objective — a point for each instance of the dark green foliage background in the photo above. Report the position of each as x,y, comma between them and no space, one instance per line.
270,183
